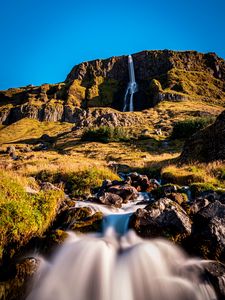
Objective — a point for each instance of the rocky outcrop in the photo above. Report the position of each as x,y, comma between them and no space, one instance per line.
207,144
160,75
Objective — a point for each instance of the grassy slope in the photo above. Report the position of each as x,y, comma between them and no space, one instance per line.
70,153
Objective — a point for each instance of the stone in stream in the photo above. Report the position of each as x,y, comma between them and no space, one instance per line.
125,191
111,199
162,218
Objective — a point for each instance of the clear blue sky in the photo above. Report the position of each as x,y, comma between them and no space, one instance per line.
42,40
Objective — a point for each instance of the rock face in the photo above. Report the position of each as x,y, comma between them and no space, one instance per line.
162,218
160,75
207,144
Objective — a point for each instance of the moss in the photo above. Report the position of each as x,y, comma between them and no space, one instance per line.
91,223
200,187
22,215
101,92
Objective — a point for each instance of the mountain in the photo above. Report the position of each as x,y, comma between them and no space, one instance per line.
160,75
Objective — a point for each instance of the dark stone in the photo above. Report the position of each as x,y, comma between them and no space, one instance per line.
163,218
215,273
208,235
16,285
125,191
111,199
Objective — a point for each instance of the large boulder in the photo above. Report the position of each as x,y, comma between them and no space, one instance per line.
162,218
207,144
208,236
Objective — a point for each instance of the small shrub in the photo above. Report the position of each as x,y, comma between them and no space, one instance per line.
106,134
184,129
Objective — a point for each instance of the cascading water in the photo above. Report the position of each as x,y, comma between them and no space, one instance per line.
119,265
131,88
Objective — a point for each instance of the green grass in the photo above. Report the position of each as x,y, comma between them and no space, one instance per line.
106,134
78,182
184,129
22,215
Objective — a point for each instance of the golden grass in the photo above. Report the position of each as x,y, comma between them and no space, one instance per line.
26,129
212,173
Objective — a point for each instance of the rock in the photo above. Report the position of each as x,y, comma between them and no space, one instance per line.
68,216
197,205
125,191
207,144
140,182
15,287
163,218
46,138
215,273
111,199
105,84
208,236
48,186
11,150
90,224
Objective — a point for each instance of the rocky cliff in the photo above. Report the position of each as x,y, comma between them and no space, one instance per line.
161,75
207,144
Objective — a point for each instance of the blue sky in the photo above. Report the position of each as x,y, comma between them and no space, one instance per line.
42,40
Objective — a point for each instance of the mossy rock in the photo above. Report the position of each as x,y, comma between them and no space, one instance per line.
92,223
200,187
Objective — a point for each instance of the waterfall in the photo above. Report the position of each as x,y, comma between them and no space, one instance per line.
119,265
131,88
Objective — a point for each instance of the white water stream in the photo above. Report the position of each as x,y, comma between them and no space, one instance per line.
131,88
125,267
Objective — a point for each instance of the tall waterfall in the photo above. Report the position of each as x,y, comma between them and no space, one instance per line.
111,267
131,88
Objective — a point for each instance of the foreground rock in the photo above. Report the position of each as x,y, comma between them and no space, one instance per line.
207,144
208,237
163,218
14,287
81,219
215,273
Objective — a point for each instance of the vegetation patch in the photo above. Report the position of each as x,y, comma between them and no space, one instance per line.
22,215
106,134
80,181
184,129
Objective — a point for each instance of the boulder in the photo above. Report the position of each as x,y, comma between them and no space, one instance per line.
208,235
162,218
111,199
215,274
125,191
17,278
198,204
